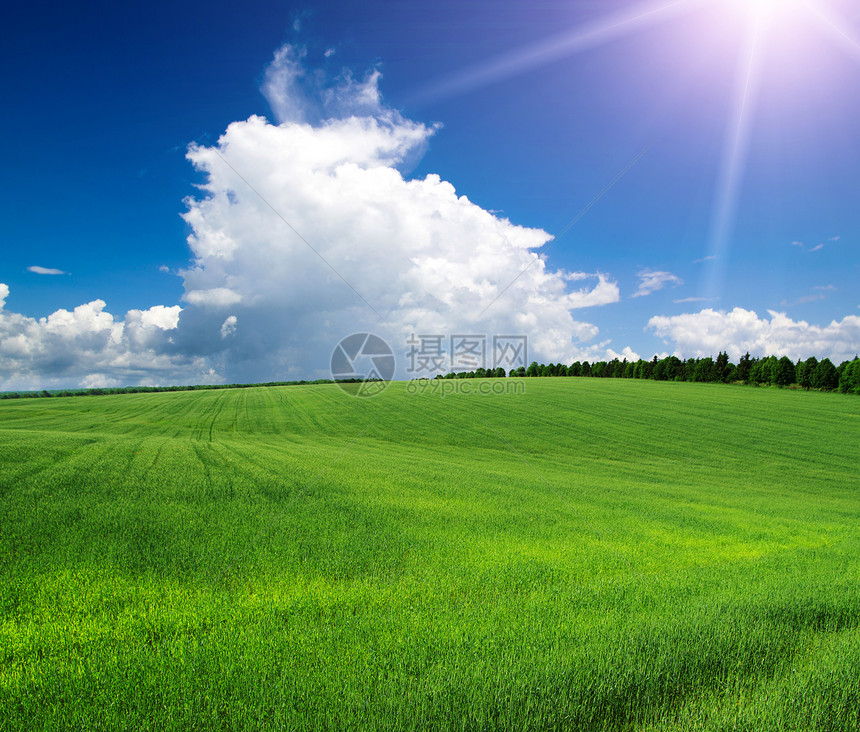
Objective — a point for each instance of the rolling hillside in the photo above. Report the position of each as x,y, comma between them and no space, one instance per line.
589,554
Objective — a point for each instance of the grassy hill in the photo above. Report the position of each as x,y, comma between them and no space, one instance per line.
591,554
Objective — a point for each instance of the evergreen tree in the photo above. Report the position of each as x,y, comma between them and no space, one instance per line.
824,376
721,366
704,370
674,368
849,381
805,369
783,372
744,368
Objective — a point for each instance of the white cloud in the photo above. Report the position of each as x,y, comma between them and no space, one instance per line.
329,205
604,293
692,299
228,327
819,293
651,281
626,353
45,270
4,293
424,257
817,247
709,258
281,82
707,332
88,346
803,300
159,316
215,297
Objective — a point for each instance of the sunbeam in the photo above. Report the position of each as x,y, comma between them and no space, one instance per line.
734,157
835,26
591,35
764,15
769,8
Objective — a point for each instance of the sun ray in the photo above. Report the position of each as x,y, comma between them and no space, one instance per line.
835,26
735,150
562,45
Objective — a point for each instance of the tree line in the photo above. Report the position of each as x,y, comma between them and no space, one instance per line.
155,389
783,372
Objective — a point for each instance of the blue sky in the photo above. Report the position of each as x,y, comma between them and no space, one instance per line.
743,204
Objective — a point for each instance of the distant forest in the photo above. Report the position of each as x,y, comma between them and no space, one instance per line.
772,371
154,389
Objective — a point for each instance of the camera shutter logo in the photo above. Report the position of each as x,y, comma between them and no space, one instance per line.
364,359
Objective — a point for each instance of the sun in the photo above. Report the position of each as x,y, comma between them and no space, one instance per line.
769,8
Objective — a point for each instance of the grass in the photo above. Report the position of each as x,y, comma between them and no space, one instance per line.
591,554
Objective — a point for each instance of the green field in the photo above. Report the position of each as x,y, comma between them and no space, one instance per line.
591,554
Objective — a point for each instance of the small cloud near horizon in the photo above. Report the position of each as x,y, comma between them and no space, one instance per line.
819,293
651,281
694,299
817,247
709,258
35,269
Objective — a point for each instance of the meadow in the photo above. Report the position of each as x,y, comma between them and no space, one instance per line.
587,555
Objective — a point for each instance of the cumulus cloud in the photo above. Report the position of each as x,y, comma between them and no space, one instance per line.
309,231
88,346
707,332
45,270
603,293
306,231
651,281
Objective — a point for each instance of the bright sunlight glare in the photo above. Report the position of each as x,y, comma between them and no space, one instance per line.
769,8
